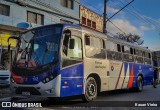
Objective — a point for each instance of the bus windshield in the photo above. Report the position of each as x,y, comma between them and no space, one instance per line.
38,47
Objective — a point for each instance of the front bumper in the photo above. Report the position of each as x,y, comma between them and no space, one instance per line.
50,89
5,82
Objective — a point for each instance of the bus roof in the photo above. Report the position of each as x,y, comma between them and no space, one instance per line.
116,40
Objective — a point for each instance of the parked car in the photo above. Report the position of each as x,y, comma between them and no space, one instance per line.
4,76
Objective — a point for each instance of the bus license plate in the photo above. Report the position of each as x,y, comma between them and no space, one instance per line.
26,93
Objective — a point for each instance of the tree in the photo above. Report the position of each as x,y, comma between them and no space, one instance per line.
132,38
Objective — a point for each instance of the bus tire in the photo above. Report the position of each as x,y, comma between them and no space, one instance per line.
139,87
90,90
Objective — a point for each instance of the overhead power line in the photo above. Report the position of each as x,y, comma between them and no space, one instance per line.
141,17
120,10
116,26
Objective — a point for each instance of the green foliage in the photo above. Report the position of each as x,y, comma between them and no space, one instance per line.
132,38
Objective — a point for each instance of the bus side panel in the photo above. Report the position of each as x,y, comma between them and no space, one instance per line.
146,71
126,75
72,80
131,72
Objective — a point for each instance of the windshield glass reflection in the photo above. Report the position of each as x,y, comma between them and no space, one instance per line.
38,47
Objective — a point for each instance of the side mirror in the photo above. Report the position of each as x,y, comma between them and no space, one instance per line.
67,33
13,37
71,43
9,47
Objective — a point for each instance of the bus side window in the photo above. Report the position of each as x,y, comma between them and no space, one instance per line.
110,48
118,47
123,48
87,40
118,54
126,53
103,44
147,58
71,56
131,51
95,49
149,55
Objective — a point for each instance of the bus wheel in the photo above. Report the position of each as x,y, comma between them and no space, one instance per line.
139,84
90,90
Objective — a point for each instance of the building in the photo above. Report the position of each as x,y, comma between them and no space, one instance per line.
91,19
15,14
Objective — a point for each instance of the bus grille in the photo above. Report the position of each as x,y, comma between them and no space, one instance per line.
3,78
32,90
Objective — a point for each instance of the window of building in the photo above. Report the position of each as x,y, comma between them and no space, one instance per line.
88,22
84,20
67,3
35,18
4,10
93,24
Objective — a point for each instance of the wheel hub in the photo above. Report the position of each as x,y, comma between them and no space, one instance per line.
91,89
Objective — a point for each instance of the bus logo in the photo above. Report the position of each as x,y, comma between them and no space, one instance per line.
35,78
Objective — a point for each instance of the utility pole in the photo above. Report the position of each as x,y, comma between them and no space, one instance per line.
104,16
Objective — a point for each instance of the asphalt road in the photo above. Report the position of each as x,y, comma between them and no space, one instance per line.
112,100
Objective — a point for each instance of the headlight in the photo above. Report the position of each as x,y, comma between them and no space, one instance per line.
12,80
47,79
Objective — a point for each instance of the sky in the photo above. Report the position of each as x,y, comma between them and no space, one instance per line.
141,17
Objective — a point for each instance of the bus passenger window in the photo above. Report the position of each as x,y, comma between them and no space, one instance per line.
87,40
134,51
95,49
103,42
123,48
149,55
126,49
118,47
131,51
